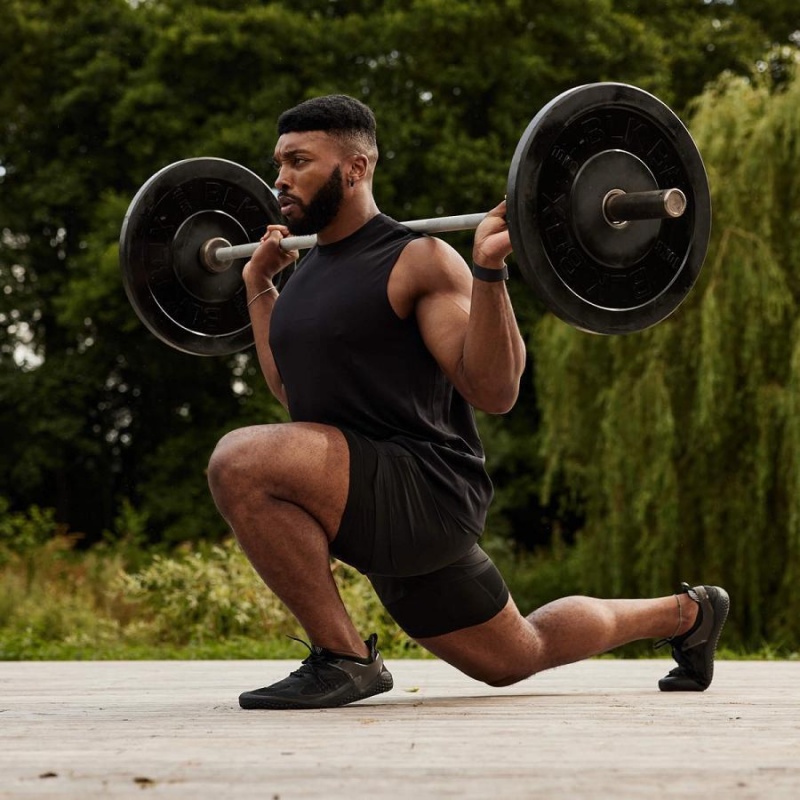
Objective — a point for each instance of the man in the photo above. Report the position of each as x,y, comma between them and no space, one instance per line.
379,346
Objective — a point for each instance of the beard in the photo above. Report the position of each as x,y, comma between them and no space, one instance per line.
321,210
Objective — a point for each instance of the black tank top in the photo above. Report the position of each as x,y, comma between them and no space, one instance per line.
346,359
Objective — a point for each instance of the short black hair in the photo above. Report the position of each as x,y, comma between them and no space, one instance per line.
338,114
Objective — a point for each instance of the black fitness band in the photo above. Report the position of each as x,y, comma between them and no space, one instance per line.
489,275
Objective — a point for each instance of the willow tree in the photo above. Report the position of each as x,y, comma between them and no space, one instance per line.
680,446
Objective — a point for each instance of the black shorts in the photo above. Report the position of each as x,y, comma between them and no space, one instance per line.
428,571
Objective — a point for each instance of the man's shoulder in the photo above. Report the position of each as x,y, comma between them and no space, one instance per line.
432,260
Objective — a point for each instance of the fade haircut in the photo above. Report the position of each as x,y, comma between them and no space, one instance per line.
340,116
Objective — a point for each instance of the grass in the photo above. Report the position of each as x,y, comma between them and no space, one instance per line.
124,601
60,602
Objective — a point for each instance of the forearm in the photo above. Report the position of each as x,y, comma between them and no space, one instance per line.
258,275
494,351
261,300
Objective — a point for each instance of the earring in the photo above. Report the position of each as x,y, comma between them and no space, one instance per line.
352,183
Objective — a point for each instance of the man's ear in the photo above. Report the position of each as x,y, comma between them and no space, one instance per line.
359,167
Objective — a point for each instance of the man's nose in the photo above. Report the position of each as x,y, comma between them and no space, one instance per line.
280,180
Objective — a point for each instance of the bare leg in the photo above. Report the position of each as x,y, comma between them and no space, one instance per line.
510,647
283,489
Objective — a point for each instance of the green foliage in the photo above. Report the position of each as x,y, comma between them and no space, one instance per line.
682,442
203,595
22,533
95,413
211,594
52,602
118,599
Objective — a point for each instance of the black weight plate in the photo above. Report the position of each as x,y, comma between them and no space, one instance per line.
183,205
605,284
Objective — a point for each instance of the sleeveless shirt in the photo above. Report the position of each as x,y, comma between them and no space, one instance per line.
348,360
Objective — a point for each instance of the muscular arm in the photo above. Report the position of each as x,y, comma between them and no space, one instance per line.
468,325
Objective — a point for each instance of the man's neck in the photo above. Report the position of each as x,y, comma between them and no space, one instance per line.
352,217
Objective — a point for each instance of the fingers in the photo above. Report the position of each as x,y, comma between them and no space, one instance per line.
499,210
277,233
282,230
496,220
492,242
274,235
269,258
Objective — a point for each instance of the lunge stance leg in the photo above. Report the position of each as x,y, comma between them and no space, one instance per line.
283,490
510,647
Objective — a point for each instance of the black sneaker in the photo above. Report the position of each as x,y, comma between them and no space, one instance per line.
325,680
694,650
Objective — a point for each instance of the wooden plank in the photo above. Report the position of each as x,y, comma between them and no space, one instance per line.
595,729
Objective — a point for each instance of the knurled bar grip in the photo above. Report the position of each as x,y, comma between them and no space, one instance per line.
619,207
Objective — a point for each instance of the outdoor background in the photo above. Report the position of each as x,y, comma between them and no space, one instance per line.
629,463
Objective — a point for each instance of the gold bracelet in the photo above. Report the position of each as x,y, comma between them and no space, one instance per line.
263,291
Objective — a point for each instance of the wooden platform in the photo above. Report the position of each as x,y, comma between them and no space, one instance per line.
599,729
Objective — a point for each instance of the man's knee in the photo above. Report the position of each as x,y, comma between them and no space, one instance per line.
295,463
496,674
227,466
505,650
512,676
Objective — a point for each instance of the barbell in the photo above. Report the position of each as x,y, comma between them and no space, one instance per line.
608,208
618,207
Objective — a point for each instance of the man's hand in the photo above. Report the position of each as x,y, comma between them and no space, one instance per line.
269,259
492,242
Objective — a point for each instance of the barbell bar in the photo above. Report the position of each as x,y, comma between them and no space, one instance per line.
217,254
608,208
619,208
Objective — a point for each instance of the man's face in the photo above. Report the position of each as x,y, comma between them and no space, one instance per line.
309,182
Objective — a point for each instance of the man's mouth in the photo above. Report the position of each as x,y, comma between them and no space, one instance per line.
286,204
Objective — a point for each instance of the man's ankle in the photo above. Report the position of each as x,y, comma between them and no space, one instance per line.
689,610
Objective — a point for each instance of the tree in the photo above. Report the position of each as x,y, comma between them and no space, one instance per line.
88,421
93,410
